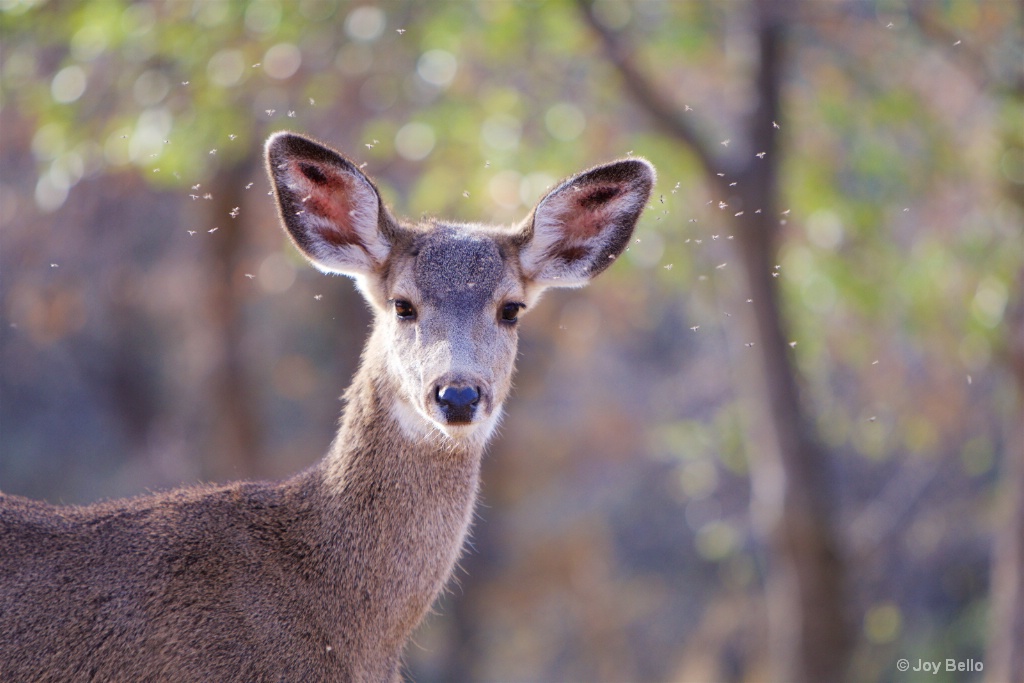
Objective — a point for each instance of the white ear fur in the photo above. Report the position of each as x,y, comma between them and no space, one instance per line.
330,209
583,225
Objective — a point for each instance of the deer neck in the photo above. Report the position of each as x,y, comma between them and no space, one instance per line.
396,506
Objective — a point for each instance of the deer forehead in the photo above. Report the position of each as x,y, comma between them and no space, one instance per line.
458,266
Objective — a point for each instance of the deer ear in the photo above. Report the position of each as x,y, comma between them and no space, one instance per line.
583,225
332,211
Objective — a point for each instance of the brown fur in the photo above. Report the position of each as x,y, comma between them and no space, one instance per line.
324,576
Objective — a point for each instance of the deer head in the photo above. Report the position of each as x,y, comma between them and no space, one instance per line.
447,297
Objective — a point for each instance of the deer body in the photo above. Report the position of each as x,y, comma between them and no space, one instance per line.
323,576
308,580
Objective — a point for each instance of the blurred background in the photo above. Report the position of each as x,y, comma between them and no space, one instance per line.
782,439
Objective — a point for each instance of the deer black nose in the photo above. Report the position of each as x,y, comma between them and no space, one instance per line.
458,402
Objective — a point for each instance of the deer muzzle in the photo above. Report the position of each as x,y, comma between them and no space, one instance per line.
458,402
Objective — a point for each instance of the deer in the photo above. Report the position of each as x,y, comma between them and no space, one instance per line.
325,575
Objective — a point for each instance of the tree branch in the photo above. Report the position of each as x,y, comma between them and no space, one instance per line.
665,113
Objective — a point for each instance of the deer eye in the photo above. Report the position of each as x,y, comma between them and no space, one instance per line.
510,312
404,310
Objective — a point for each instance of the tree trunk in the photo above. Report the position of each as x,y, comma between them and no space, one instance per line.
790,511
1005,660
809,637
232,434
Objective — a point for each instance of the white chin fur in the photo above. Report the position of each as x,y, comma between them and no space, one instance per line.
417,426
